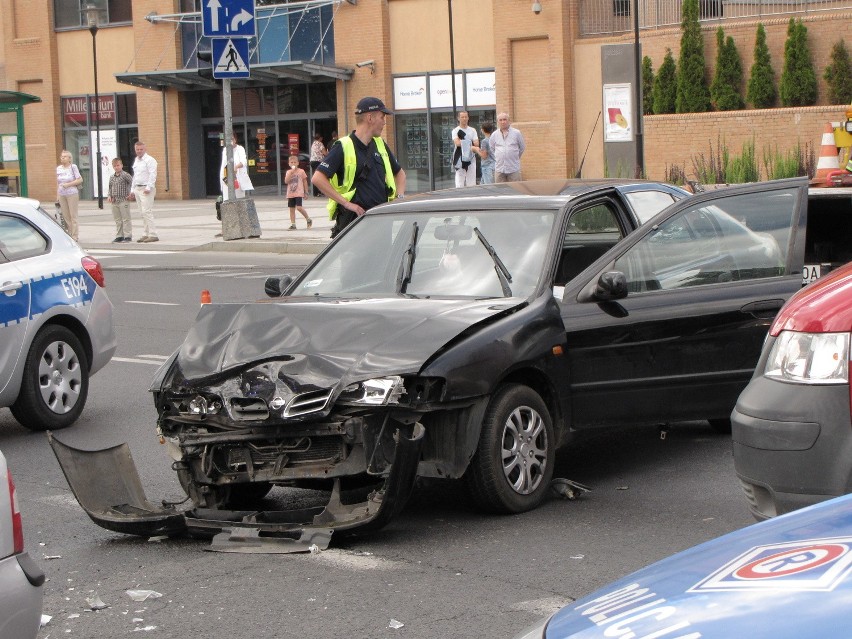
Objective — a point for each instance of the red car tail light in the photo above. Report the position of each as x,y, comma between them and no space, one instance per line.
17,526
94,269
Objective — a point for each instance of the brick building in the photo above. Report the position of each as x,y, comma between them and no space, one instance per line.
313,60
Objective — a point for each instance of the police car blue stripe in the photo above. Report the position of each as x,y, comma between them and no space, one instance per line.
66,288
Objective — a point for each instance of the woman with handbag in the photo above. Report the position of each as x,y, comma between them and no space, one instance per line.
68,178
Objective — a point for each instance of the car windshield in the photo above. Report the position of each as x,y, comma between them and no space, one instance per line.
435,254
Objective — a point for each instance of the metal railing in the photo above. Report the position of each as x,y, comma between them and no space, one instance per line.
605,17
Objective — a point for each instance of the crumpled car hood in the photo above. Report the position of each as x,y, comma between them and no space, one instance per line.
329,341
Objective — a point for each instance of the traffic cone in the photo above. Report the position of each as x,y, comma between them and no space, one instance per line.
827,158
205,297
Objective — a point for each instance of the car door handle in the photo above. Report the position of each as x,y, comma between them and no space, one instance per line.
10,287
763,308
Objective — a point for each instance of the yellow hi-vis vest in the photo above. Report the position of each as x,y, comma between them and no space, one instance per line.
350,160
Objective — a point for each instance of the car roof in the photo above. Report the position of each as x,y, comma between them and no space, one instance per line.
549,193
16,204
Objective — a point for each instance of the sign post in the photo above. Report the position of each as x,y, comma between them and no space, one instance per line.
229,24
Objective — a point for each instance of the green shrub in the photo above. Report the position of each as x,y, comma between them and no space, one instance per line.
693,95
792,163
647,86
725,89
665,86
675,174
711,170
761,91
743,168
798,80
838,74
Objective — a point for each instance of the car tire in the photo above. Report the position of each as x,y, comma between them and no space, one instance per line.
513,464
721,426
55,383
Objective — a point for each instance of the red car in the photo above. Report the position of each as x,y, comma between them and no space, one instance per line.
792,430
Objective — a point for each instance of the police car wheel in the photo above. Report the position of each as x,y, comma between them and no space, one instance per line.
513,465
55,383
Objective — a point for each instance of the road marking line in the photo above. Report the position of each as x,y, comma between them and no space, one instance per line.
136,360
154,303
129,252
159,357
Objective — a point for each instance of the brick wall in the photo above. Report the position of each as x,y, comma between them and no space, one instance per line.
160,49
30,49
677,139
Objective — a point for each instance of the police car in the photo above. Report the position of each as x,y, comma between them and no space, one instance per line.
783,578
56,326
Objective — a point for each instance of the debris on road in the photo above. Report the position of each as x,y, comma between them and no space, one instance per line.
567,489
142,595
96,603
396,625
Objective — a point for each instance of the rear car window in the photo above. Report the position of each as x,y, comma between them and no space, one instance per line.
19,239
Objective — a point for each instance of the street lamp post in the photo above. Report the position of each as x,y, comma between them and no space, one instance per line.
92,19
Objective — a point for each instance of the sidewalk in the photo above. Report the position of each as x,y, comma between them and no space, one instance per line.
191,225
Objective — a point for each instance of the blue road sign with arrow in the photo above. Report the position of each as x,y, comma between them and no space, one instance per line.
230,58
228,18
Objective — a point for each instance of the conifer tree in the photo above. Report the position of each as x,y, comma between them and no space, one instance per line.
798,79
725,89
693,95
665,85
838,74
761,91
647,86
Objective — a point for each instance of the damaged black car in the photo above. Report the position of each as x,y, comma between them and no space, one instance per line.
469,334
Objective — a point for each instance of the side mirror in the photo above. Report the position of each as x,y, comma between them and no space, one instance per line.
612,285
275,286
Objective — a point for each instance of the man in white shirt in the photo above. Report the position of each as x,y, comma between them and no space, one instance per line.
145,190
465,139
508,146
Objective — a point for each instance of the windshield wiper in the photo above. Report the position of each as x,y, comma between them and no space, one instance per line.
502,272
407,266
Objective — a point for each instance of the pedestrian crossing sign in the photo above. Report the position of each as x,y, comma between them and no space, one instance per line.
230,58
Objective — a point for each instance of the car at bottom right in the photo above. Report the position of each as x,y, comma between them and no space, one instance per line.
791,427
788,577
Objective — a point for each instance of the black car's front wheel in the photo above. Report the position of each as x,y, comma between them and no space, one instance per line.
513,464
55,382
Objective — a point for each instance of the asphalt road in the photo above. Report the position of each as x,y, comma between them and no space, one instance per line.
442,569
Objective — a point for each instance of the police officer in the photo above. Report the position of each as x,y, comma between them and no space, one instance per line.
360,171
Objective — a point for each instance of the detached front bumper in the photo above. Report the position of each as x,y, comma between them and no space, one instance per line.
792,444
107,486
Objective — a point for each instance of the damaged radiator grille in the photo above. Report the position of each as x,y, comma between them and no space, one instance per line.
305,451
305,403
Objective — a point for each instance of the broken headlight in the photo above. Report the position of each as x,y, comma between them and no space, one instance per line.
380,391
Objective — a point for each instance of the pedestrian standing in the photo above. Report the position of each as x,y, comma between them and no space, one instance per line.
508,146
119,194
377,176
145,190
466,146
242,182
487,154
318,152
297,188
68,178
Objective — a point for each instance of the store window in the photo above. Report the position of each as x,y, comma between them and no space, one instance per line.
118,133
68,14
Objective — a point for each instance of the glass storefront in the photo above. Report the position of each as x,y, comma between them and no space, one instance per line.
272,123
424,122
118,132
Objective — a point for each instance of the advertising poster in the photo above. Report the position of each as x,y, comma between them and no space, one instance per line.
617,113
109,150
9,148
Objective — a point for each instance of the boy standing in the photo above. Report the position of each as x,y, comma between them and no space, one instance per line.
119,195
297,188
